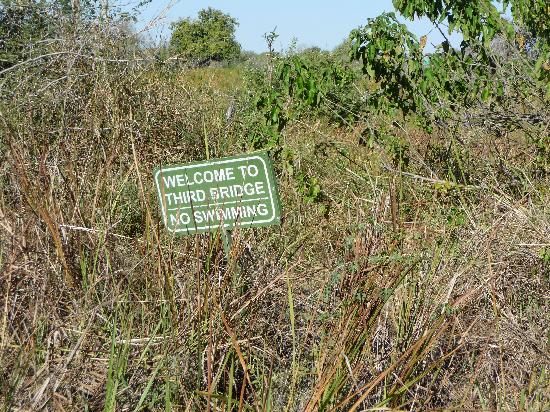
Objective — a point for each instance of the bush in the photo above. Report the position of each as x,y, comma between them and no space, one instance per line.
209,38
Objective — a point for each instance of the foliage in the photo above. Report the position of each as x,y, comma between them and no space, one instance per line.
270,38
310,83
480,22
391,56
29,29
410,271
21,23
211,37
533,16
480,19
454,81
300,84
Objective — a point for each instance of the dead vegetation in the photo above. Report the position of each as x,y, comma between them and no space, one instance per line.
402,290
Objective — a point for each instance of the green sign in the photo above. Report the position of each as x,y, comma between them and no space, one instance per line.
230,192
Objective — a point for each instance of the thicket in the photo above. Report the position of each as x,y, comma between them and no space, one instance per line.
411,270
499,77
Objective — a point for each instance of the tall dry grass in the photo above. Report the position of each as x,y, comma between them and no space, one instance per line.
407,290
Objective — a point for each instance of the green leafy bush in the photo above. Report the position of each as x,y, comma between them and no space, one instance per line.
211,37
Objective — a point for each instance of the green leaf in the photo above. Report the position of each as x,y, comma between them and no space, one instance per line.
539,63
500,89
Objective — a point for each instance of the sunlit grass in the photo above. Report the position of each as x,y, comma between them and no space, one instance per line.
402,289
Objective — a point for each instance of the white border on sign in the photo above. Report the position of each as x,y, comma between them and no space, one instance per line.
209,163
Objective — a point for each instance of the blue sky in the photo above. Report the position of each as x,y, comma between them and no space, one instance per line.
321,23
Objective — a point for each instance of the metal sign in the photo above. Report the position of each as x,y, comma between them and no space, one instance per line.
225,193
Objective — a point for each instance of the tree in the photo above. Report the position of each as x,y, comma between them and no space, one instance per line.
211,37
480,22
500,63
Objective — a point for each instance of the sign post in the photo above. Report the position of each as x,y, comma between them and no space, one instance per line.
218,194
